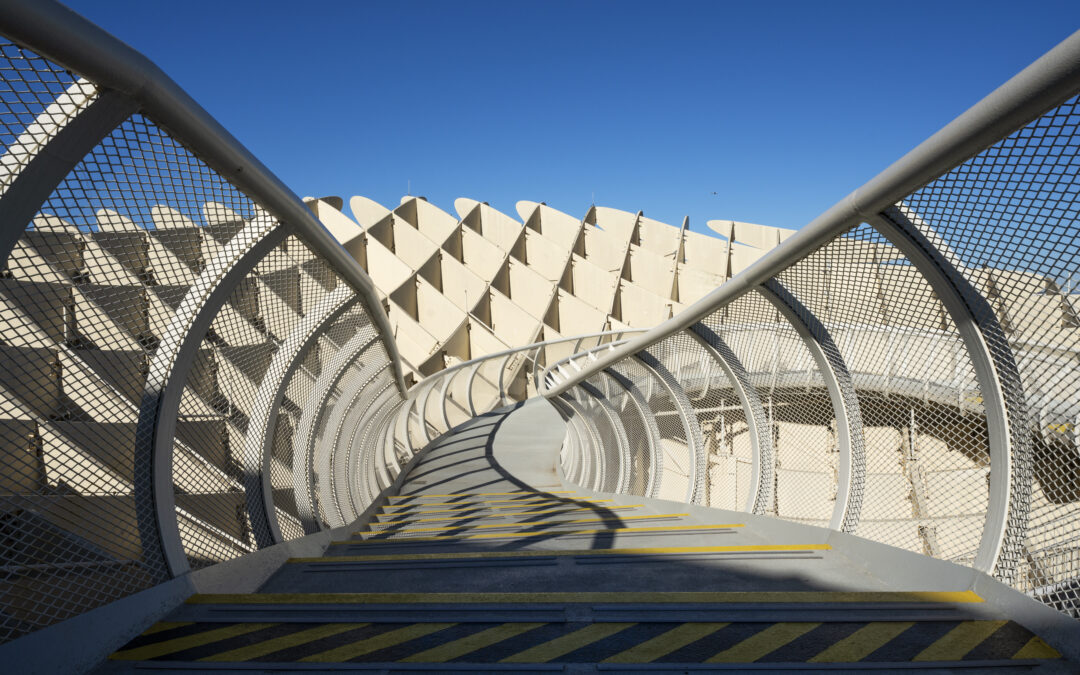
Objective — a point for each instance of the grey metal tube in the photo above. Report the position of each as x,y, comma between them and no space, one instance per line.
1051,79
66,38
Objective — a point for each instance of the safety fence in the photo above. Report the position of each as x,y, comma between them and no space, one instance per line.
905,368
179,336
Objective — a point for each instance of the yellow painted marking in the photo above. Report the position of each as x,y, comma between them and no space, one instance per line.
490,555
545,523
862,642
284,642
372,644
1037,649
959,641
477,507
767,641
407,520
527,534
466,645
485,494
485,503
665,643
181,643
166,625
564,644
588,596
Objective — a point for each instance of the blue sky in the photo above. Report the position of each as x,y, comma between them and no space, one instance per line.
779,108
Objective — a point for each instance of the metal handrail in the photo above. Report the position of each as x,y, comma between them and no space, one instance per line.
1052,78
71,41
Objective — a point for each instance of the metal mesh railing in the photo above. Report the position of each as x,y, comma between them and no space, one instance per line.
908,376
161,324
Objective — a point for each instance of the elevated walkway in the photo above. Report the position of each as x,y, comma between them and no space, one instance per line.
486,559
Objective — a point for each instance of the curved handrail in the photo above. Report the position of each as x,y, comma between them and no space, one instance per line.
66,38
1045,83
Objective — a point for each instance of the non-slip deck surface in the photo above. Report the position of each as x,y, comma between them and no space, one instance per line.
486,561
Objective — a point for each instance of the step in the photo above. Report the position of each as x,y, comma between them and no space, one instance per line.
481,513
586,606
529,528
581,642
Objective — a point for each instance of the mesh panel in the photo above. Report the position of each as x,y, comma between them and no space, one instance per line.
925,437
30,86
796,404
633,408
88,295
680,431
1011,219
719,415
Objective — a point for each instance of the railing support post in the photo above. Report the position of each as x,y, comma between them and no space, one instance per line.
757,423
1007,414
849,424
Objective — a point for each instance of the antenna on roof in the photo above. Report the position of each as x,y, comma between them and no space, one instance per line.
408,188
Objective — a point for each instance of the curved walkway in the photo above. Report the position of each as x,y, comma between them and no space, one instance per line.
487,560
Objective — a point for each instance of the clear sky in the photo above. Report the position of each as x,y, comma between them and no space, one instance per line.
766,112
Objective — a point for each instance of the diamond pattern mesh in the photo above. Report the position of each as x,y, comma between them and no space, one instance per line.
98,293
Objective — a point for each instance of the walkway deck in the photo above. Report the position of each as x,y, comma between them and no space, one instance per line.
486,560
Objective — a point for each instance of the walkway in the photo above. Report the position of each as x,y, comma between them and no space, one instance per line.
486,560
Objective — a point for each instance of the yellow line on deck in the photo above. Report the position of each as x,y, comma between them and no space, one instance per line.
767,641
491,555
665,643
485,494
284,642
863,642
496,515
487,503
489,526
1036,648
599,597
564,644
187,642
469,644
525,534
380,641
955,644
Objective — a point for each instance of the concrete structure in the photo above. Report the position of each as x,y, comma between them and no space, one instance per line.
202,392
459,288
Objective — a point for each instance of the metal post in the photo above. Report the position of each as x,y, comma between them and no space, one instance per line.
695,444
849,425
167,376
259,439
761,448
1007,413
653,444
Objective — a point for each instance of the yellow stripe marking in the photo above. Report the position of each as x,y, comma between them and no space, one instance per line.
495,515
592,597
284,642
466,645
767,641
545,523
959,641
1037,649
862,642
181,643
564,644
478,507
166,625
511,502
372,644
484,494
526,534
489,555
665,643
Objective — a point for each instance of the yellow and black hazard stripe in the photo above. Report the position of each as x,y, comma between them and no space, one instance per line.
646,642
